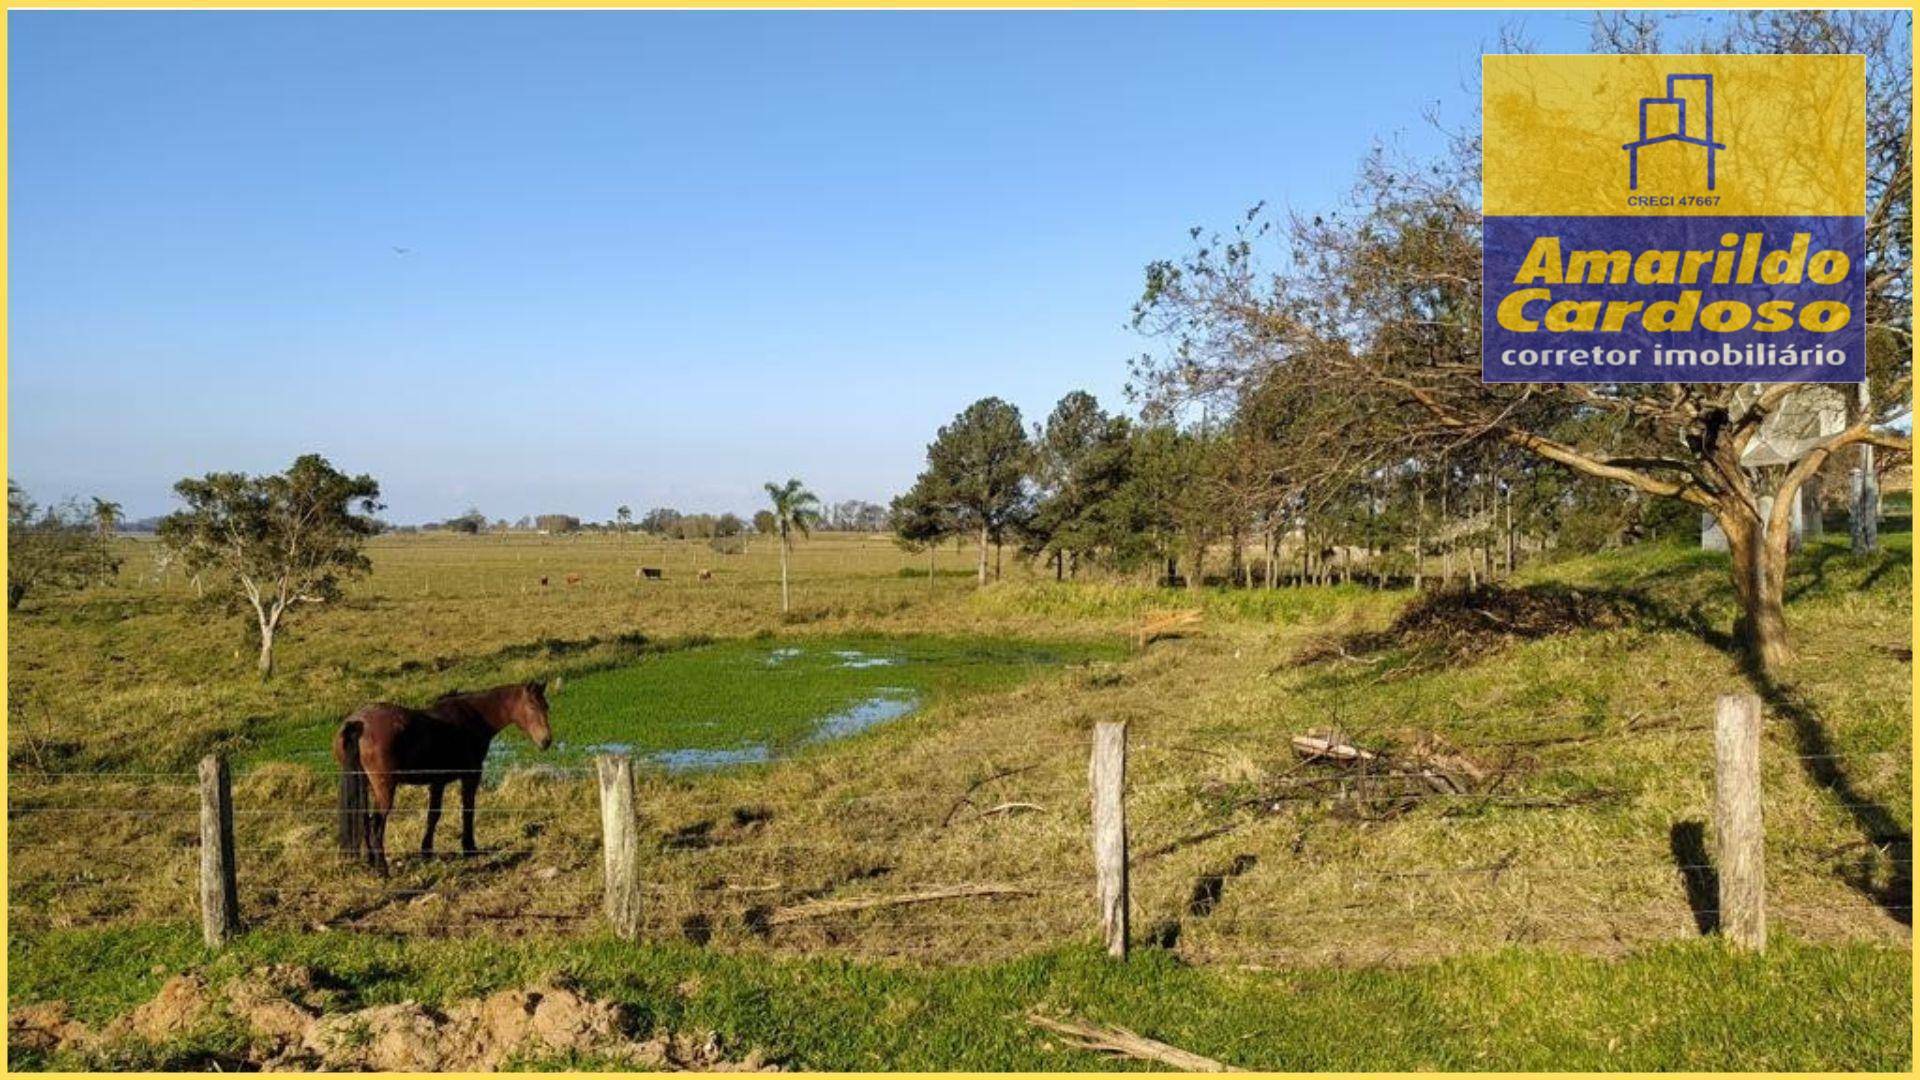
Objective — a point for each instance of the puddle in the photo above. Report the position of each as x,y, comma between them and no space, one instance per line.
857,660
701,759
890,703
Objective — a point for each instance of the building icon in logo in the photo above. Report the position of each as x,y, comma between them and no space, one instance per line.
1681,133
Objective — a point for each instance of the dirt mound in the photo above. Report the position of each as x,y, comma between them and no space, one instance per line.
290,1026
1462,625
43,1028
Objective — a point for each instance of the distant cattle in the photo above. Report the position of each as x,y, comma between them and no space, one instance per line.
706,575
652,573
573,579
543,580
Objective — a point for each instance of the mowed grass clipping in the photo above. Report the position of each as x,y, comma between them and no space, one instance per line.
1689,1006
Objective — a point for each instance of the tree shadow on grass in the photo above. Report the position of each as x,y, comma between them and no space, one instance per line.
1818,758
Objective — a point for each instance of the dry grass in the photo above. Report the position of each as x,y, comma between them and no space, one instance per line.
1584,840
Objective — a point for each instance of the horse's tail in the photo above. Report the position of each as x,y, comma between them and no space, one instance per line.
356,796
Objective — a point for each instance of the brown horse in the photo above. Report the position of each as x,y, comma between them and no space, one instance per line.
383,746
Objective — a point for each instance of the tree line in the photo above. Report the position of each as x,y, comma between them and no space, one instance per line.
1317,375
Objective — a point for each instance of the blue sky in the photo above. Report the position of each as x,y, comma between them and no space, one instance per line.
650,258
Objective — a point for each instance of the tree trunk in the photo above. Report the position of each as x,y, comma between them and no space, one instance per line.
266,649
985,539
783,576
1759,581
1864,506
1419,534
1863,509
1512,554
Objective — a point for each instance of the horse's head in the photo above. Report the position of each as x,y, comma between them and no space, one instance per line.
530,714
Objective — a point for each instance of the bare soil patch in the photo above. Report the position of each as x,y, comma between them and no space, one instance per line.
293,1022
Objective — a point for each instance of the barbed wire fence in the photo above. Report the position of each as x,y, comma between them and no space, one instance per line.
118,845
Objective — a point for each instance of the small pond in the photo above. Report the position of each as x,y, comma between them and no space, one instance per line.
750,702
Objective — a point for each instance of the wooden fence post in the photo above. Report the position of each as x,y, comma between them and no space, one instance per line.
1107,773
1739,837
219,889
620,839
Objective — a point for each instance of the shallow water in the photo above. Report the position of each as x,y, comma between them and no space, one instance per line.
891,703
707,736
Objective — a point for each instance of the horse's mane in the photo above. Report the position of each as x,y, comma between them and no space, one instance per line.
458,693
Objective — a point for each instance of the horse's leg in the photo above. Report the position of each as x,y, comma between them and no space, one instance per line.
434,793
469,790
383,786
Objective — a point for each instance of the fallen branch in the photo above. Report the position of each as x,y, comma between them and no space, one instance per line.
1014,808
1123,1043
1314,746
816,909
966,798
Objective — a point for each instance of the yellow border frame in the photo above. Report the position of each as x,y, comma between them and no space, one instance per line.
764,5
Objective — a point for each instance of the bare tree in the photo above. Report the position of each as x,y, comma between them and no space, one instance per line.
1378,309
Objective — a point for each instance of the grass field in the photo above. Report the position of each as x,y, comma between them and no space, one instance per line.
1288,917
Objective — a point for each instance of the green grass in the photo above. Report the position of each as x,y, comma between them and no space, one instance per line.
775,693
1692,1006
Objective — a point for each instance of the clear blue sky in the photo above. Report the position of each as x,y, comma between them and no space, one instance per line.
652,259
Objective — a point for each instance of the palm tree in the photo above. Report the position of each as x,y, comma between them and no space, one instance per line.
106,517
794,509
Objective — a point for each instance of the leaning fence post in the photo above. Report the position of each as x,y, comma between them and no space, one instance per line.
219,889
621,842
1739,837
1107,773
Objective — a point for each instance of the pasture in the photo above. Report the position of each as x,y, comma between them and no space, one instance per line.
1267,891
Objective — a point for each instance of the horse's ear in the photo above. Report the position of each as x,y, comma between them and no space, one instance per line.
539,688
